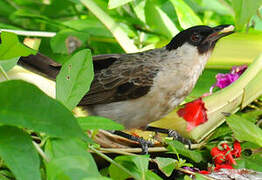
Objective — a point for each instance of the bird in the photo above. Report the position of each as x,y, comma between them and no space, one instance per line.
136,89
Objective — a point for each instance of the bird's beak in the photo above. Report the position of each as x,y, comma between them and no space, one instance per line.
219,32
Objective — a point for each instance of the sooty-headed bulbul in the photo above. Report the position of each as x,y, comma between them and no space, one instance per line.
139,88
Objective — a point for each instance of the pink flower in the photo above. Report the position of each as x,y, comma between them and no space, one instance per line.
224,80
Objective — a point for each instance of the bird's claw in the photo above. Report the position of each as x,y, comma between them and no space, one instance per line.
144,145
175,135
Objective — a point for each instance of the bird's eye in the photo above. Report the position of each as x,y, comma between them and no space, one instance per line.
195,37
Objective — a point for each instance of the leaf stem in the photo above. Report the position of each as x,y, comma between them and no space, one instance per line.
111,161
41,152
30,33
3,72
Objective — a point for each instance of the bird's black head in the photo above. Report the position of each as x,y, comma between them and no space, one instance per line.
203,37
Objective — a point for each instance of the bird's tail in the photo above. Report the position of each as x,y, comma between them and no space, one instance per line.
41,65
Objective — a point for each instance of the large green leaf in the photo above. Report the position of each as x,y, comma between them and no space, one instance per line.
96,122
121,36
163,24
185,14
61,42
70,160
6,9
253,162
74,79
137,165
244,10
19,154
244,130
11,47
116,3
25,105
176,146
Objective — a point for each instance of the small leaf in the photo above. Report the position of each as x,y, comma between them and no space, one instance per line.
18,153
244,130
74,79
166,165
25,105
116,3
69,159
11,47
187,17
96,122
137,165
180,148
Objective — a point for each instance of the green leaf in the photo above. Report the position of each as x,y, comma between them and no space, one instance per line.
152,176
11,47
69,159
137,165
252,116
61,42
244,130
96,122
187,17
27,106
253,162
200,177
121,36
244,10
74,79
176,146
9,64
166,165
18,153
2,177
116,3
221,131
6,9
164,24
139,9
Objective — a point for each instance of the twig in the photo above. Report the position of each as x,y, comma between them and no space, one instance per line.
30,33
111,161
193,173
129,151
40,151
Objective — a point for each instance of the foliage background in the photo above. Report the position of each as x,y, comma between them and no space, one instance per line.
107,26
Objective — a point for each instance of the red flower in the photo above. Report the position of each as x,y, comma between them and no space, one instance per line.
237,149
204,172
223,156
194,113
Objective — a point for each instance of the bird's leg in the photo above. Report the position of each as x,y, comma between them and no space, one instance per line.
170,133
144,144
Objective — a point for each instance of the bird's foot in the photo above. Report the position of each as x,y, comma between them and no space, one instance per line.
170,133
175,135
143,143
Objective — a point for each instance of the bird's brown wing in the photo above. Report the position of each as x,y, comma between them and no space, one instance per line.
118,78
